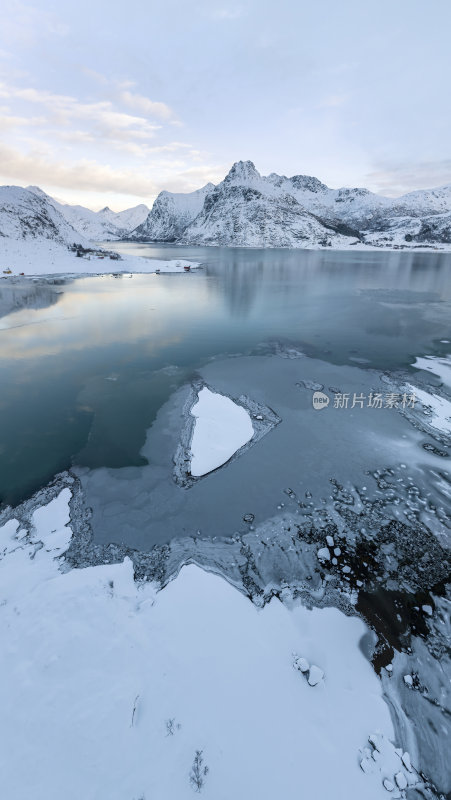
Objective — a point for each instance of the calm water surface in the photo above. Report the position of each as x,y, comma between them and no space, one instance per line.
84,364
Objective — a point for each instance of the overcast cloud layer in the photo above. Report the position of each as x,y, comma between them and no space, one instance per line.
110,102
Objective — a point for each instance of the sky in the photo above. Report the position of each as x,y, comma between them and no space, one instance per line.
108,103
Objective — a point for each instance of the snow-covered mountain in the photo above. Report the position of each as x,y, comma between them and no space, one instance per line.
25,215
170,215
249,210
104,225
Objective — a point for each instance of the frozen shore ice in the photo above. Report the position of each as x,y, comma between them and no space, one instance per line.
95,665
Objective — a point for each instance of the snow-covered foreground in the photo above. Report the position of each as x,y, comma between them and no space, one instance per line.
44,257
221,428
108,688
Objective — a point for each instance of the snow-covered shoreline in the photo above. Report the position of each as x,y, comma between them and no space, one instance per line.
114,685
341,247
42,257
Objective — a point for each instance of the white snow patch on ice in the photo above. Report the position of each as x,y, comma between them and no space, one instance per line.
220,429
440,407
438,366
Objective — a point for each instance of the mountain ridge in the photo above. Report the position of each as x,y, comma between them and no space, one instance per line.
103,225
247,209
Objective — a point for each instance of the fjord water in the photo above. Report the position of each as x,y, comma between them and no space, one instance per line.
86,364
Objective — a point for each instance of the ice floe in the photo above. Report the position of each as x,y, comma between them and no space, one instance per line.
221,428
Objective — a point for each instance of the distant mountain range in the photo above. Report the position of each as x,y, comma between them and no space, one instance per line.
104,225
245,210
249,210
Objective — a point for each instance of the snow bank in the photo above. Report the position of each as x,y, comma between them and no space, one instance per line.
44,257
108,688
220,429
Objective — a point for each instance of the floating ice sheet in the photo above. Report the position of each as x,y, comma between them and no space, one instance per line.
221,428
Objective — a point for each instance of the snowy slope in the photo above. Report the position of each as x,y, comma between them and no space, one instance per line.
170,215
25,215
36,239
251,210
108,687
104,225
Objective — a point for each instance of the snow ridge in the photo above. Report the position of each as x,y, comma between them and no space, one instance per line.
250,210
100,226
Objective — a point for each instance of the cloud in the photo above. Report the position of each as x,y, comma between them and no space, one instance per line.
119,144
140,103
397,179
63,110
120,93
24,24
8,121
195,177
36,168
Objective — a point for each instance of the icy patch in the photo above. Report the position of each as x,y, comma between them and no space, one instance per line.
389,765
439,406
40,546
50,523
324,554
438,366
221,428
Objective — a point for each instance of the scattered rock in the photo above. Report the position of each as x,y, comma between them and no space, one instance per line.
324,554
249,518
388,785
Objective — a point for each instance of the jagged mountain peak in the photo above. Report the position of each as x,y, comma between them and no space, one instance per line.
308,183
242,171
37,191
